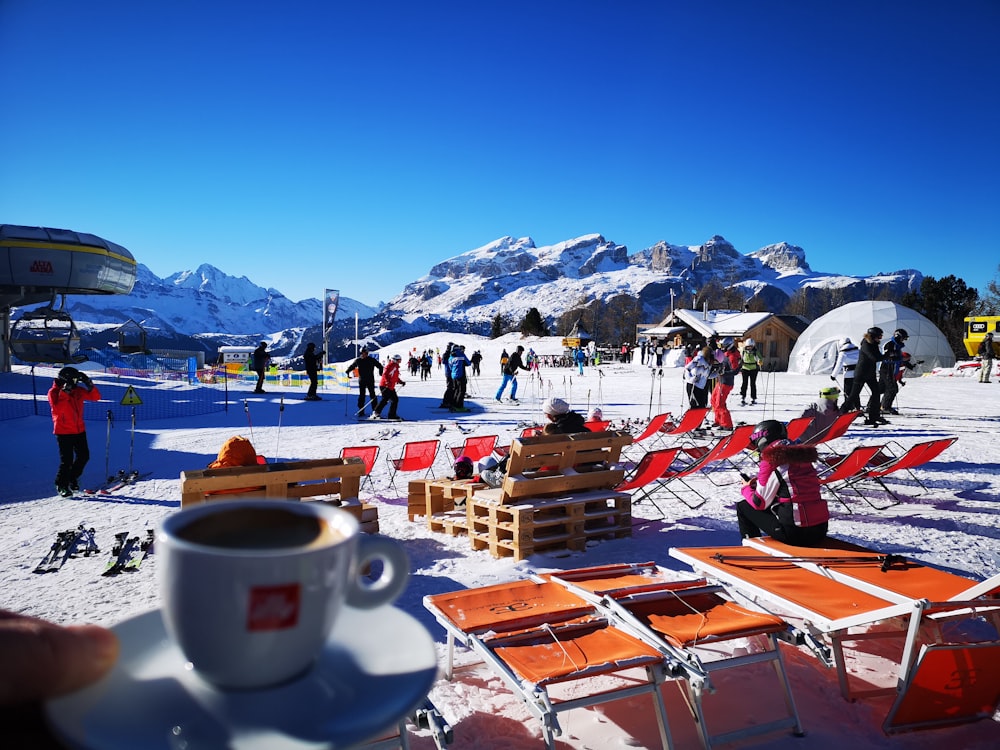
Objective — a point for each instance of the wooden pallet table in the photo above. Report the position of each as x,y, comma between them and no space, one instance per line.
531,526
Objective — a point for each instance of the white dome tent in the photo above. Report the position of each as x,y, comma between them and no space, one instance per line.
815,352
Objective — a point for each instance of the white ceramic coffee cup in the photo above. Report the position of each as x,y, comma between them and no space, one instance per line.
251,588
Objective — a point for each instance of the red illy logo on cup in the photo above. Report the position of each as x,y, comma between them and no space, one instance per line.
273,607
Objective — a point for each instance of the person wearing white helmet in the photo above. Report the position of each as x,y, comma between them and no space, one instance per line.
847,360
387,386
562,419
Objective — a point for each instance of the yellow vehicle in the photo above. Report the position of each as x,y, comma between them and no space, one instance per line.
976,328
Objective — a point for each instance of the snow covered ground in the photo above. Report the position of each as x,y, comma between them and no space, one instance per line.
955,526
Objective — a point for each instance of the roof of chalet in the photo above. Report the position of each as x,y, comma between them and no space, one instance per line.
720,322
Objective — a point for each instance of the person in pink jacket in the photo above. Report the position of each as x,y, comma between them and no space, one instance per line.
784,500
66,396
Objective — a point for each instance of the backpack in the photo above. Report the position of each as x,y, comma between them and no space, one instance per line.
236,451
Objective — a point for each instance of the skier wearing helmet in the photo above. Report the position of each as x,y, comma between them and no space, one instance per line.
69,390
784,500
865,374
891,364
387,386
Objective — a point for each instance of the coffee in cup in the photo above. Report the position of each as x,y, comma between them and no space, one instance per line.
252,588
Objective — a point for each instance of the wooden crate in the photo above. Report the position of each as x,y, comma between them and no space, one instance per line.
366,514
531,526
416,498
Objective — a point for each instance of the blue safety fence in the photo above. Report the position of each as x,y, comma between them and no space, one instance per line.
153,387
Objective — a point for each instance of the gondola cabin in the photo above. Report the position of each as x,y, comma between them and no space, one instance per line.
976,328
45,336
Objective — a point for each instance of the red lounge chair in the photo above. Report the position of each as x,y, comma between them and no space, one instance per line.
598,425
368,454
837,429
839,470
917,455
475,448
417,456
796,427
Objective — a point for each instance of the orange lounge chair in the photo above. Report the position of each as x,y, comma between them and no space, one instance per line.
691,622
838,593
536,634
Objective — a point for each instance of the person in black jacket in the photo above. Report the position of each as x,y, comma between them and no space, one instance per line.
313,359
562,420
366,366
866,374
514,363
260,358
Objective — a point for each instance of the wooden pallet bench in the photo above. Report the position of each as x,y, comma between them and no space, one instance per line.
554,465
557,493
318,479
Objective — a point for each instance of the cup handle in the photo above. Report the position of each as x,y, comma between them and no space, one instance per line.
363,594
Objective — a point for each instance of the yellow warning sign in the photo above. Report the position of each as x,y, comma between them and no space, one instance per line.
131,398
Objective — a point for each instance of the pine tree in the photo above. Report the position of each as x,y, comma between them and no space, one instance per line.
533,325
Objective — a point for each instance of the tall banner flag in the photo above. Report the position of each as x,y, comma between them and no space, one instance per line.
331,300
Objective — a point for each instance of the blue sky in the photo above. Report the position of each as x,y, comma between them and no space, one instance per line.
315,144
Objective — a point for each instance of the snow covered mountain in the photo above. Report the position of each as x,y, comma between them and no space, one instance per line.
508,276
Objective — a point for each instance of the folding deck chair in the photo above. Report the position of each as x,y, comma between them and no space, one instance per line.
691,623
475,448
838,594
651,467
724,449
416,456
837,429
368,454
598,425
796,427
839,469
735,443
690,421
534,635
915,456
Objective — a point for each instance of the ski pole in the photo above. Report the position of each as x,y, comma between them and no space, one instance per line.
277,440
131,444
652,384
246,408
107,445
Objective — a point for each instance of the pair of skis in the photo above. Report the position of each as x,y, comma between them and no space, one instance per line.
128,553
121,480
68,544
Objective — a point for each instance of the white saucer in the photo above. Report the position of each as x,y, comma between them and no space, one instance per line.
377,666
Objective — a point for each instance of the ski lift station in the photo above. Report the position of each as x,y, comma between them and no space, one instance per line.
40,265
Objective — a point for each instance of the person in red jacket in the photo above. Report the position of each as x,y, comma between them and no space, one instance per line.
66,396
387,386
